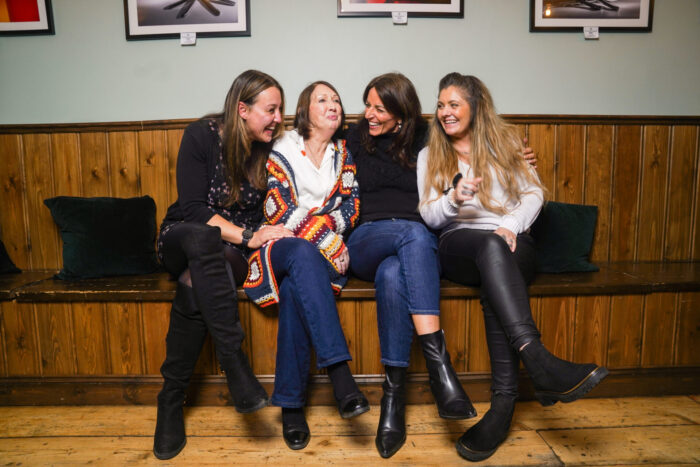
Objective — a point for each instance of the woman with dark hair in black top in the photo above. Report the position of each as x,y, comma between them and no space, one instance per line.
204,242
393,248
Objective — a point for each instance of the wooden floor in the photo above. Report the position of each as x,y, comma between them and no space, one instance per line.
627,431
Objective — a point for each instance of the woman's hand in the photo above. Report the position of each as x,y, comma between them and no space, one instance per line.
508,236
466,189
342,262
529,155
268,233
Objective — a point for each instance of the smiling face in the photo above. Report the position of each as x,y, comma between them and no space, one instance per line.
453,113
380,120
263,116
325,109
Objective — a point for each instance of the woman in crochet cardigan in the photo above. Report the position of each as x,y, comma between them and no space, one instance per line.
311,192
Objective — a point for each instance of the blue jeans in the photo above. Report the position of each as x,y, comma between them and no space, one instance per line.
308,318
400,256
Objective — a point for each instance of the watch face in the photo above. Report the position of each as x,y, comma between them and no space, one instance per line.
247,234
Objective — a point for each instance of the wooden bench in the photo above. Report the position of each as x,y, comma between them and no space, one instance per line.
101,341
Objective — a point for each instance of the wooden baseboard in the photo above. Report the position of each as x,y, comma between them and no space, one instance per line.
212,390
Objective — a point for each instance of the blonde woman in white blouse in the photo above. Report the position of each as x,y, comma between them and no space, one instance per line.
475,187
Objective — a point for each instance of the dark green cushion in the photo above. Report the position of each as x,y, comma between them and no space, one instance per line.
6,264
563,236
105,236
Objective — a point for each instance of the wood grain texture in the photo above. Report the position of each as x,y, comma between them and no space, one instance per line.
659,325
598,182
454,320
542,139
625,336
42,232
557,319
156,318
124,334
21,346
263,339
654,196
153,169
688,329
94,164
66,164
13,219
368,354
56,340
592,319
477,354
625,193
124,165
90,337
681,197
569,168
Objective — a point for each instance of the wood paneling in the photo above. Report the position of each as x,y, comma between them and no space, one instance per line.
56,339
625,189
654,186
659,327
20,340
13,228
688,347
90,337
625,335
682,194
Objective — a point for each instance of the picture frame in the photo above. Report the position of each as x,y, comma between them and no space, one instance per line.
414,8
607,15
167,19
26,18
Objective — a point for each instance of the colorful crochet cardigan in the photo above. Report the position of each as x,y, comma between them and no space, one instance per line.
321,226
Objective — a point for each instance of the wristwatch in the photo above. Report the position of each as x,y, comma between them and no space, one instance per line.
247,234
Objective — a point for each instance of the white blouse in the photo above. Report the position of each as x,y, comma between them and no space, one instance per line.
313,184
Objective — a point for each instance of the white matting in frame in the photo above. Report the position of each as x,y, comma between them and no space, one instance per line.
160,19
448,8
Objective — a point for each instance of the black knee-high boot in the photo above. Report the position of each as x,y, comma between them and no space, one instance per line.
556,379
391,432
452,402
215,293
184,341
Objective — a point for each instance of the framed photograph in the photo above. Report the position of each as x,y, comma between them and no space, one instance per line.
610,15
165,19
25,17
426,8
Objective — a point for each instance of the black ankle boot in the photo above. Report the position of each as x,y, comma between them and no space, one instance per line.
481,440
391,432
452,402
170,438
556,379
246,391
351,401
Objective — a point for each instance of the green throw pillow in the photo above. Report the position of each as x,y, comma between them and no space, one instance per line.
105,236
563,236
6,264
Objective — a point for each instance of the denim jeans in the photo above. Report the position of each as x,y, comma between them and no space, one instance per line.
308,319
400,256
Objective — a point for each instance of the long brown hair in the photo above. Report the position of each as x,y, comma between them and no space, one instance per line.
495,145
400,99
245,158
302,122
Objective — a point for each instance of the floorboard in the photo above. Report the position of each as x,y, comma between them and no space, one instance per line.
624,431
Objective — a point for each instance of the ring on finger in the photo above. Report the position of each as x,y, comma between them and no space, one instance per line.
467,192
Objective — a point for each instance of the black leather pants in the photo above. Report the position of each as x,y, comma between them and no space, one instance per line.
479,257
199,249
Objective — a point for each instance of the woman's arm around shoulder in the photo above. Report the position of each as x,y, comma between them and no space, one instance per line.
436,209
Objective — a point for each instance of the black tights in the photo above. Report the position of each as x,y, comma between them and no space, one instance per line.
479,257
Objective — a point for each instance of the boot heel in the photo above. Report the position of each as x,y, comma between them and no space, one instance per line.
545,400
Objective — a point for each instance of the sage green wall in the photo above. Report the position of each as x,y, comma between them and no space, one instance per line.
88,72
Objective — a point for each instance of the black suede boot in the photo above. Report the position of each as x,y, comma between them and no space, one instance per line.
481,440
247,392
169,438
391,432
452,402
556,379
184,341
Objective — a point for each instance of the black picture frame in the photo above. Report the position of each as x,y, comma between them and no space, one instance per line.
171,11
417,8
604,14
44,26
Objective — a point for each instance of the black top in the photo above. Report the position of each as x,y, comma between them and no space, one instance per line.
202,185
387,189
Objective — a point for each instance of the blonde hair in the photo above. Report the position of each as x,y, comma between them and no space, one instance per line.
495,145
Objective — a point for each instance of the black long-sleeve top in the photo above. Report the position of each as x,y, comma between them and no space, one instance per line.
202,185
387,189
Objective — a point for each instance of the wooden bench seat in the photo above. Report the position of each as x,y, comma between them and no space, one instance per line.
612,279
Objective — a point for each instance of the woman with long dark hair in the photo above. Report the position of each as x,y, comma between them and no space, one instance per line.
475,186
